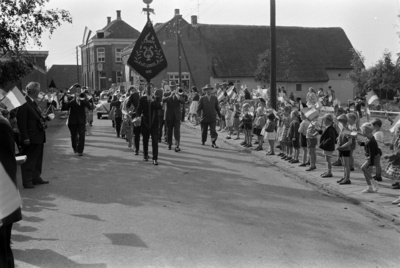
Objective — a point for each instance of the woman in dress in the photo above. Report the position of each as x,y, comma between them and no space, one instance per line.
311,97
194,106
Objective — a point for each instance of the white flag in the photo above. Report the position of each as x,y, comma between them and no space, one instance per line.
13,99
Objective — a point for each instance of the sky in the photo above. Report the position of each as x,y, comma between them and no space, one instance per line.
370,25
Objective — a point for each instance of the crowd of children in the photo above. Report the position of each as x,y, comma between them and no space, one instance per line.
295,133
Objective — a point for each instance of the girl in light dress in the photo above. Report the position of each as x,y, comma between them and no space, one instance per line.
393,169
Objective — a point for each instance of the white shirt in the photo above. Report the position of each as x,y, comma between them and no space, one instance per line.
379,137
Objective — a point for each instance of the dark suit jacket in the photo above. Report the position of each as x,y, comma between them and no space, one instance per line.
133,100
28,120
210,109
173,109
7,159
77,113
143,109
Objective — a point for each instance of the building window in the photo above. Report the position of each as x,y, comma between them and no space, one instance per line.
119,77
185,79
101,54
298,87
103,75
118,54
237,83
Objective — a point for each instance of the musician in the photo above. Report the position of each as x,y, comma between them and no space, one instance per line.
149,123
134,100
173,116
32,126
77,121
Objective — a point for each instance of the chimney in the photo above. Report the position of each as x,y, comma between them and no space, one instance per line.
176,12
108,20
118,14
194,20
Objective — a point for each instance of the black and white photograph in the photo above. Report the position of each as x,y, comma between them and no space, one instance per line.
199,133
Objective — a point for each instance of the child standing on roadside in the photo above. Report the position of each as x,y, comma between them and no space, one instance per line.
222,121
312,132
303,138
259,123
270,133
285,126
379,137
344,148
371,152
353,125
294,136
247,120
393,169
236,120
229,120
327,143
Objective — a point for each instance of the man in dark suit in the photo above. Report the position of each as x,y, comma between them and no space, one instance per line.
7,160
208,104
134,100
31,125
77,121
173,116
149,124
159,93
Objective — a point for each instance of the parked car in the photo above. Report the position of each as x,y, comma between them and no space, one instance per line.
103,106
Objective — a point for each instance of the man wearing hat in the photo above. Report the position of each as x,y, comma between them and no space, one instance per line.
173,116
209,107
74,89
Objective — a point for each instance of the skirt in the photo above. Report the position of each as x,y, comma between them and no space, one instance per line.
393,170
303,140
193,107
229,122
257,131
271,136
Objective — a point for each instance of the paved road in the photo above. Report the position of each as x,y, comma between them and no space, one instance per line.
200,208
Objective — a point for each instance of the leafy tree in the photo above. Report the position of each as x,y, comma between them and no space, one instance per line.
358,75
21,22
263,67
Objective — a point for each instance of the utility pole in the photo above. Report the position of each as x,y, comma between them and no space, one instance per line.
178,41
77,64
273,56
187,62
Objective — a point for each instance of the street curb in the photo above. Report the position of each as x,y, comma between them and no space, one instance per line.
324,186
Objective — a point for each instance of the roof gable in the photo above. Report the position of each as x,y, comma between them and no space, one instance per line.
63,76
119,29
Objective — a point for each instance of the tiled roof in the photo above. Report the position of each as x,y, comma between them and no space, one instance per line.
119,29
64,76
312,50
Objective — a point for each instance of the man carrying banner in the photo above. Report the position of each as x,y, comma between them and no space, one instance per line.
8,183
208,104
149,125
32,126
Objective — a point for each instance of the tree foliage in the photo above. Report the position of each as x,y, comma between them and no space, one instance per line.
263,67
383,77
22,22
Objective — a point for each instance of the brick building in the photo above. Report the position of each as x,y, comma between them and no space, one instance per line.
64,76
101,56
319,57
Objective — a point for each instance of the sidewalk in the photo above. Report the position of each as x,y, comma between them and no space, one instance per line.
379,203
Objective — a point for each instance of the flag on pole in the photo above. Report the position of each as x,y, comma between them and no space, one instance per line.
372,98
13,99
310,113
221,95
396,122
230,91
234,95
86,35
9,196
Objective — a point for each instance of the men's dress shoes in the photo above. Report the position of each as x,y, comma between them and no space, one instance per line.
40,182
146,158
80,154
155,162
136,152
345,182
29,186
